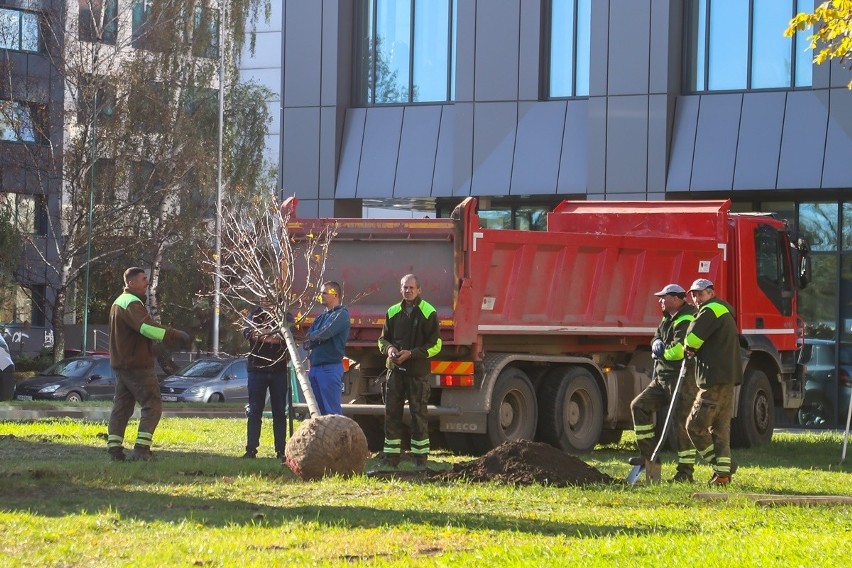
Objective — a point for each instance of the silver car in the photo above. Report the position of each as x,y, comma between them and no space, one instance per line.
208,380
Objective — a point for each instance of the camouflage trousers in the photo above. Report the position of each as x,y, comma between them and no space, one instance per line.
656,398
709,425
399,388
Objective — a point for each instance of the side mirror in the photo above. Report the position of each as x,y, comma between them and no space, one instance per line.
95,378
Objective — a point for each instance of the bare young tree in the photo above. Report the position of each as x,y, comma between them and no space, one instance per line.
264,259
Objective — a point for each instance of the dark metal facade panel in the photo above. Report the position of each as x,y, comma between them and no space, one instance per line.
497,46
759,141
417,151
574,159
442,181
627,144
463,148
529,77
465,50
327,151
538,148
380,152
331,63
658,140
837,171
599,48
683,143
350,152
302,53
803,140
596,144
629,45
666,41
301,155
716,142
494,130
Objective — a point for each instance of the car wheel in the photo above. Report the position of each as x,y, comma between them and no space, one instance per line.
216,397
74,396
815,412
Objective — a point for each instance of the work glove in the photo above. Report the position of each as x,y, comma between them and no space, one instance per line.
689,352
183,338
657,349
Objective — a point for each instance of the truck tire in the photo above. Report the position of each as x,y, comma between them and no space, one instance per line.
514,410
571,416
755,412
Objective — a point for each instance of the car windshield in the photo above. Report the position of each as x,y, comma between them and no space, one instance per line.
69,368
203,369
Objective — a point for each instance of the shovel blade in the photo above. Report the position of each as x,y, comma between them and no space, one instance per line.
635,474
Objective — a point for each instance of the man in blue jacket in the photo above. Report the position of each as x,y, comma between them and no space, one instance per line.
326,341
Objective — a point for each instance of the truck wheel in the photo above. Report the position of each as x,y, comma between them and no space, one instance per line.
571,410
514,412
755,412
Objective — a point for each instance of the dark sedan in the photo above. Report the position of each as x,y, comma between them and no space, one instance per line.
74,379
828,383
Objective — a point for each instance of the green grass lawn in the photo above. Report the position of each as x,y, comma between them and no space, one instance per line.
62,503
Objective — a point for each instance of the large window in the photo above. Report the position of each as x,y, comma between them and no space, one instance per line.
19,30
570,48
22,121
740,44
405,51
26,211
97,23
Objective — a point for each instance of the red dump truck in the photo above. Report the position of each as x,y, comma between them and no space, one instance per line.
546,333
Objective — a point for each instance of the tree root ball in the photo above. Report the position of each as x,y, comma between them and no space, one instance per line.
327,445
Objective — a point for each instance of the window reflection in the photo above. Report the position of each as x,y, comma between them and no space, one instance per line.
406,51
19,30
738,45
818,222
570,47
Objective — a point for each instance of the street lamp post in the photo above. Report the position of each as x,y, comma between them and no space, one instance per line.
91,211
217,285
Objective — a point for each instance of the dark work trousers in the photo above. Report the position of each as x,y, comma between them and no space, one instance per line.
277,383
132,386
656,398
399,388
709,425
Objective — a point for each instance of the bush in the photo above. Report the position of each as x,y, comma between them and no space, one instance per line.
38,363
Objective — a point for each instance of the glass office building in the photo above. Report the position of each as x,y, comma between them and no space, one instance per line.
420,103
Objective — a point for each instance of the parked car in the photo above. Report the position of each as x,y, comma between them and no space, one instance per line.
74,379
824,382
208,380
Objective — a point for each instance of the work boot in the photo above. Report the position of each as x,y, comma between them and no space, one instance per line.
140,453
682,477
116,454
653,472
390,460
719,479
250,454
636,460
420,461
279,455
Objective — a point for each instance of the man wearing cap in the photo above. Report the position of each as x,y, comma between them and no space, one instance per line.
667,350
713,341
326,341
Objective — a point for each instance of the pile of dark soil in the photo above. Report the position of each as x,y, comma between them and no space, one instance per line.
525,463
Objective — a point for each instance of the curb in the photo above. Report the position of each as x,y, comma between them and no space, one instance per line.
101,413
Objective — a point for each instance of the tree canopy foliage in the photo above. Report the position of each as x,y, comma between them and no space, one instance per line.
832,37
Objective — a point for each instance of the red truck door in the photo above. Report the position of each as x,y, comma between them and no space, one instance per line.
765,299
